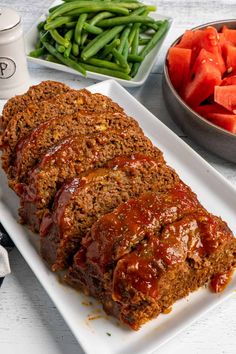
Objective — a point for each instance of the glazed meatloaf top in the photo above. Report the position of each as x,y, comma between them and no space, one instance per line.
151,251
79,203
74,156
117,233
37,93
49,133
24,122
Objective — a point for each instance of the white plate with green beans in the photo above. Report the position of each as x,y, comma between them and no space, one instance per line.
99,39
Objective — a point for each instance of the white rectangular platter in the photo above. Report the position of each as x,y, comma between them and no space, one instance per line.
104,335
144,70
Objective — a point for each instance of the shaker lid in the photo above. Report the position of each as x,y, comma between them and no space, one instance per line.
9,18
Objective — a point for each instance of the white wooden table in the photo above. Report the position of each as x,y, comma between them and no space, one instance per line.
29,322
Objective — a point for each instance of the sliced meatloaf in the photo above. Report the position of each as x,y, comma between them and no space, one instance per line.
69,159
49,133
150,252
37,93
79,203
24,122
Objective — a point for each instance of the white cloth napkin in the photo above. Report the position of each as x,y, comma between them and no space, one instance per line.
4,262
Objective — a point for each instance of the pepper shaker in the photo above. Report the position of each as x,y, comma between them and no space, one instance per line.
14,76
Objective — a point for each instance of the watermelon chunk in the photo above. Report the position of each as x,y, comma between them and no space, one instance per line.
203,83
210,41
229,80
186,40
179,66
230,53
226,97
205,110
225,121
203,57
229,35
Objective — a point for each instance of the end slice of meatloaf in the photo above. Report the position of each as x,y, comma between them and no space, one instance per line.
81,202
29,150
22,124
37,93
69,159
150,252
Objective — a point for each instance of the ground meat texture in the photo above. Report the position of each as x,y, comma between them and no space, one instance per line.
69,159
174,254
22,124
81,202
37,93
29,150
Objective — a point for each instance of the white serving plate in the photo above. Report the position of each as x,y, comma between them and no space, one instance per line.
144,70
214,191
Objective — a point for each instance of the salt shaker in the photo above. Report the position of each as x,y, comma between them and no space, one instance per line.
14,76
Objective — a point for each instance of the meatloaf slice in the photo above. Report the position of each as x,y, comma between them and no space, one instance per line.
150,252
24,122
37,93
69,159
49,133
82,201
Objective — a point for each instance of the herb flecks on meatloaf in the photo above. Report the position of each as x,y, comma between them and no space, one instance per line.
37,93
150,252
71,158
79,203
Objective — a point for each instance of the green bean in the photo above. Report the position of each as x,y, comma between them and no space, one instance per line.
151,8
135,43
144,41
97,8
108,57
67,51
108,48
37,52
40,25
58,22
96,44
133,31
100,16
60,48
123,20
151,44
67,61
154,26
53,8
58,38
94,20
129,5
69,34
79,27
135,58
38,44
105,71
107,64
140,11
91,28
120,58
75,49
126,49
157,36
94,7
70,24
123,37
50,57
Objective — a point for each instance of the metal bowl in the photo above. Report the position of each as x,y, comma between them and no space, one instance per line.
211,137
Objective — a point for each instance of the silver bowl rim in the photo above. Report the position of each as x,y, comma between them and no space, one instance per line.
171,87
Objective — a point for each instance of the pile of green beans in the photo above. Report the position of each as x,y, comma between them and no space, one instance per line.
110,37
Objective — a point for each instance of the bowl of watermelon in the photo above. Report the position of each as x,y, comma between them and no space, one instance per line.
199,85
